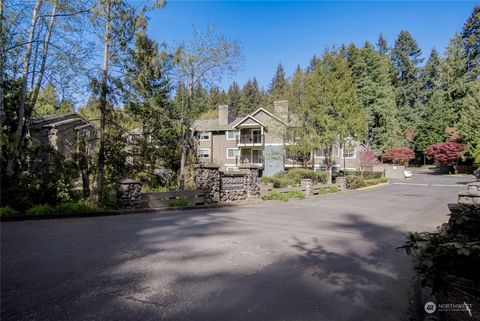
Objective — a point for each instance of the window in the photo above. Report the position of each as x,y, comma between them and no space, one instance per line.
203,153
322,152
233,152
86,133
232,134
349,152
204,136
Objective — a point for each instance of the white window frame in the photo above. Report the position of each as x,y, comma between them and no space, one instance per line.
203,149
348,157
204,139
233,148
236,132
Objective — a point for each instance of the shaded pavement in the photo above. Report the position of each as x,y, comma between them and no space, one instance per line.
327,258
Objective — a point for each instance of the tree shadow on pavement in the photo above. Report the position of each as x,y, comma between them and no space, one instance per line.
193,266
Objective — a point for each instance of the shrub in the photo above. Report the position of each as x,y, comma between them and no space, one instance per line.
64,208
354,182
276,196
334,189
41,209
277,181
293,177
7,212
181,201
297,174
296,194
450,253
76,208
446,153
399,155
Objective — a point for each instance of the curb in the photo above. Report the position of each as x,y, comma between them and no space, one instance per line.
370,187
122,212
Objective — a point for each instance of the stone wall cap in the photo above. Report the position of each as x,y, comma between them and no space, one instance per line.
129,181
209,165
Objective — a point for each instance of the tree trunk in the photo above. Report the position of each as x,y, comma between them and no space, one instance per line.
41,72
103,110
182,163
23,92
328,164
86,183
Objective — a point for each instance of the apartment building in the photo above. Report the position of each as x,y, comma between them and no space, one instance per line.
259,138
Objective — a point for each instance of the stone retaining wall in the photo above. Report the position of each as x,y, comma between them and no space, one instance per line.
221,186
129,194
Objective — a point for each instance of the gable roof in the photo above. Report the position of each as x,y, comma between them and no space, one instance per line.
59,120
249,117
213,125
269,114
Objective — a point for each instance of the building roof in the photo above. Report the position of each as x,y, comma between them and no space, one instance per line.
212,125
59,120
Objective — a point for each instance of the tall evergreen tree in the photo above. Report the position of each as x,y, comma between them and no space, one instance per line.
436,118
430,77
469,123
471,43
382,45
296,91
370,71
314,61
406,57
149,105
453,76
278,86
234,97
332,111
252,97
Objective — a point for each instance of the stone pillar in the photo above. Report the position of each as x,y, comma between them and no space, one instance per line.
307,184
342,183
129,193
207,178
251,180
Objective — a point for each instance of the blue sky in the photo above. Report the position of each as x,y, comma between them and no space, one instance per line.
291,32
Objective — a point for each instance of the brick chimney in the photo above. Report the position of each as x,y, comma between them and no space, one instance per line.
225,115
281,109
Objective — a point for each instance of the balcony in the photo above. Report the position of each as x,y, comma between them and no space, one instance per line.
243,160
252,139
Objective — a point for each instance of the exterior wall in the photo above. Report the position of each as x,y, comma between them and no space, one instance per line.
275,132
338,161
218,145
64,138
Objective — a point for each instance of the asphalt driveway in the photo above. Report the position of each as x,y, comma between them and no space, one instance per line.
326,258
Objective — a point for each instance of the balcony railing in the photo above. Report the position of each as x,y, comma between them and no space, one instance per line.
243,160
250,139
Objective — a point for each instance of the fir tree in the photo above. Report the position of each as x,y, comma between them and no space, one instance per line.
471,43
406,57
382,45
252,98
296,91
430,77
234,97
332,111
278,86
453,79
370,71
469,124
436,118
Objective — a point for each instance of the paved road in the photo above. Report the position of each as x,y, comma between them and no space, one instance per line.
328,258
